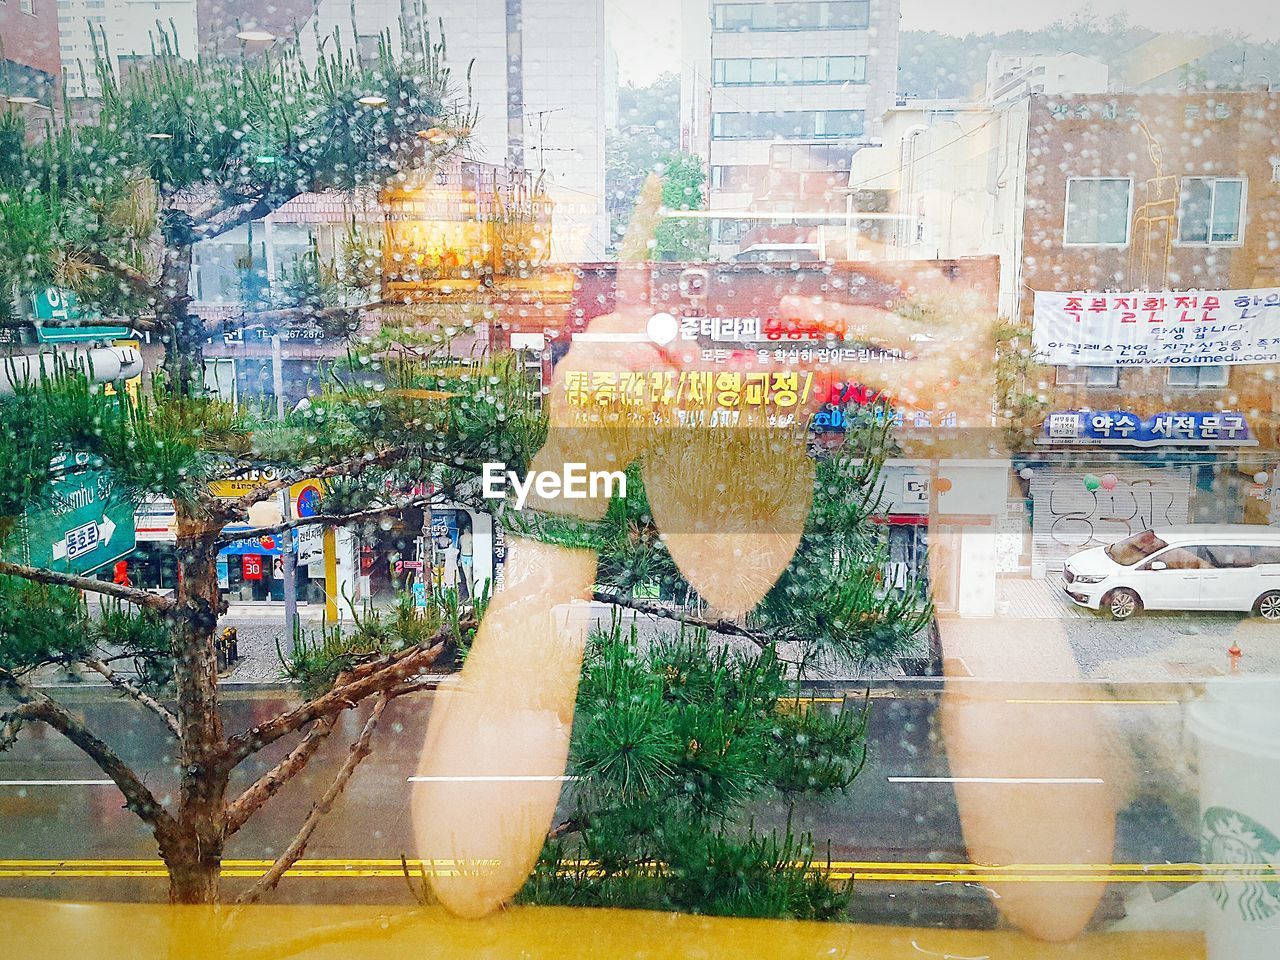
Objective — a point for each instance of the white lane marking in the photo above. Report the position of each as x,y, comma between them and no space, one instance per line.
994,779
57,783
500,779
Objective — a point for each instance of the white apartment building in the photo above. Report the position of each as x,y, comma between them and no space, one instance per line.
777,97
542,80
131,30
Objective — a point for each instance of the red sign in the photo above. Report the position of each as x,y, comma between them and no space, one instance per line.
251,566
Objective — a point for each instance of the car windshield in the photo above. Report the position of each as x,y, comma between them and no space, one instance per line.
1138,547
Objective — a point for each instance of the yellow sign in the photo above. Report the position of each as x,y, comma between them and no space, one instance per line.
236,488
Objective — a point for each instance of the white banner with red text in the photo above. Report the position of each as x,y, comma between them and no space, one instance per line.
1157,329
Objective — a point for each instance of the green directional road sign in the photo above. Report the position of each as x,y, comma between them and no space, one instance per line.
83,527
55,304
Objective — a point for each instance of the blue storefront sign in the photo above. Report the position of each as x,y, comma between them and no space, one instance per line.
258,545
1121,428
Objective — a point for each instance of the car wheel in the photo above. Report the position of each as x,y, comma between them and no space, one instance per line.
1268,606
1121,604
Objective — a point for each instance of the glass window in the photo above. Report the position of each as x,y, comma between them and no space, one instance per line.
1088,376
1098,211
838,15
741,70
847,69
787,124
1132,549
1181,558
1199,377
789,69
1232,556
1211,210
1266,555
853,15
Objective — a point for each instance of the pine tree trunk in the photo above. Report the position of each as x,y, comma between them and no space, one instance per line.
194,852
184,346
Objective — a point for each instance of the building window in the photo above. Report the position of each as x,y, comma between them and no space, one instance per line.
1098,211
835,15
737,177
787,124
1199,378
1211,210
1088,376
28,6
740,71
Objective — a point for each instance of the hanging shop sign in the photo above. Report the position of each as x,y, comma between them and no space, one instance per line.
1157,329
251,566
265,546
1120,428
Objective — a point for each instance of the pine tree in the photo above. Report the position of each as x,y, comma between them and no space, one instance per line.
185,151
111,209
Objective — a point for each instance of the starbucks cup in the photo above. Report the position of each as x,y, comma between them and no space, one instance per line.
1237,725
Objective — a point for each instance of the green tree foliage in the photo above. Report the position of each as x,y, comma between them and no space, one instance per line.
683,179
647,140
831,602
672,744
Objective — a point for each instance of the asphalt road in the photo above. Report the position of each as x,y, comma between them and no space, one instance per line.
56,815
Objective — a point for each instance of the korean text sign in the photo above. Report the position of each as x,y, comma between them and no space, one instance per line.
1123,428
1157,329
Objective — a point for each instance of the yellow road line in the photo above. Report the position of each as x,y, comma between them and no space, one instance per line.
873,871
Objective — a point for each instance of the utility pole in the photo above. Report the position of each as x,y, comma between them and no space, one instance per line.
289,559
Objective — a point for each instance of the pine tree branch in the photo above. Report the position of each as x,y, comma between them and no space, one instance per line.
126,687
328,520
310,313
226,218
269,784
656,609
238,507
298,846
38,706
133,595
11,723
366,680
135,279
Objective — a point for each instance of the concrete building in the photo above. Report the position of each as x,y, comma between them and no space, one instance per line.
31,62
538,73
776,99
1140,278
131,30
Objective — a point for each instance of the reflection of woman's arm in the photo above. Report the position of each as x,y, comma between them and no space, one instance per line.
992,729
507,715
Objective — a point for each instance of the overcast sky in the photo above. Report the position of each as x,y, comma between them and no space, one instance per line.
646,33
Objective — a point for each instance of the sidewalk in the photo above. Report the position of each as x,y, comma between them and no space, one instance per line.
1027,599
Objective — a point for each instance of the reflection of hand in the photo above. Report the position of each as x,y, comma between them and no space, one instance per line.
1001,737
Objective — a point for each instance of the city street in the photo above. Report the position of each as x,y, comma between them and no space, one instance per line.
1155,646
63,833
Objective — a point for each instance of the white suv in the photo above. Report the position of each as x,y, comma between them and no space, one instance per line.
1207,567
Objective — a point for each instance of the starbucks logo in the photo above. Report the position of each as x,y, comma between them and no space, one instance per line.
1228,836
